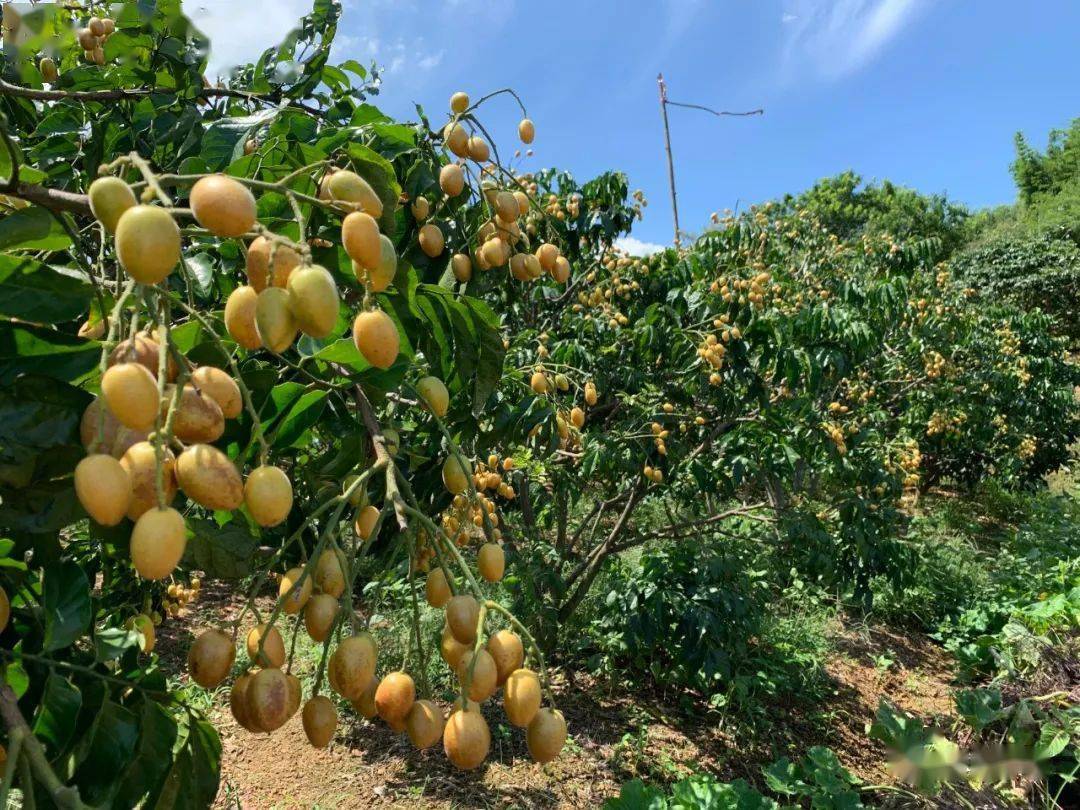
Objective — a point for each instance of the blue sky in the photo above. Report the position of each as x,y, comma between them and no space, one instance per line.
927,93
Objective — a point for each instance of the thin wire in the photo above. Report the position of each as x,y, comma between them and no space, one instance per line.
710,110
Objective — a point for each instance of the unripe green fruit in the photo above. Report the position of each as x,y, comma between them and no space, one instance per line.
109,198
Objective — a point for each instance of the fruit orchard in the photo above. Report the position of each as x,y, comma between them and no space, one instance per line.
264,335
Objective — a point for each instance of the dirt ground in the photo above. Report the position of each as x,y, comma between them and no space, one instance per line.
614,737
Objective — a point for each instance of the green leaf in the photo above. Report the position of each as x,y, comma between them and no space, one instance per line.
343,352
57,713
113,642
1052,741
33,291
105,751
66,602
489,363
158,732
223,552
32,228
301,416
223,142
26,348
193,780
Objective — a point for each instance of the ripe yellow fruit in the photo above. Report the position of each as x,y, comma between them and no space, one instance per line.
508,653
268,699
506,206
526,130
238,702
483,672
96,26
456,138
539,382
436,588
330,573
5,610
109,198
350,187
434,394
293,593
420,209
240,311
456,474
547,253
521,697
577,417
590,394
478,149
273,649
261,272
103,487
395,696
223,206
491,562
495,252
360,236
157,542
296,693
365,704
198,417
274,319
459,102
320,721
381,276
144,625
466,739
314,300
452,650
49,73
451,179
366,521
220,387
376,337
432,241
462,615
424,724
145,351
140,463
208,477
319,615
147,243
210,658
462,267
546,735
561,272
352,665
131,393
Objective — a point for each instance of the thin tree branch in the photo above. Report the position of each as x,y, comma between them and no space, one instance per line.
714,112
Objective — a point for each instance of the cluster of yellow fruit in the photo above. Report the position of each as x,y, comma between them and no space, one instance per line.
177,597
933,365
92,40
836,435
744,290
463,519
908,459
941,422
713,348
660,434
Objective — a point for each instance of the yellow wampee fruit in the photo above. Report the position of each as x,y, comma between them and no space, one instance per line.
383,274
561,272
539,382
365,522
546,735
360,237
273,651
433,392
296,693
491,562
157,542
478,149
240,311
547,253
459,102
521,697
294,598
147,243
145,351
590,394
365,704
462,267
49,73
506,206
88,428
376,337
526,130
238,702
451,650
268,699
436,588
96,26
274,320
394,697
109,198
261,272
220,387
495,252
456,138
210,658
268,495
451,179
456,474
223,206
131,393
140,463
330,573
484,674
462,615
352,665
350,187
144,625
466,739
432,241
320,720
198,417
507,651
359,495
424,724
103,488
319,615
518,268
577,417
314,300
420,209
208,477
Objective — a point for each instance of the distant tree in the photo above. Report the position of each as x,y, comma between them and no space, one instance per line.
1038,175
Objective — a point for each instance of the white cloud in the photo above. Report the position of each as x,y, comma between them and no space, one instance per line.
838,37
240,30
636,247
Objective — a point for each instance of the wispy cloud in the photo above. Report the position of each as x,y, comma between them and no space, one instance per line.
636,247
837,37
